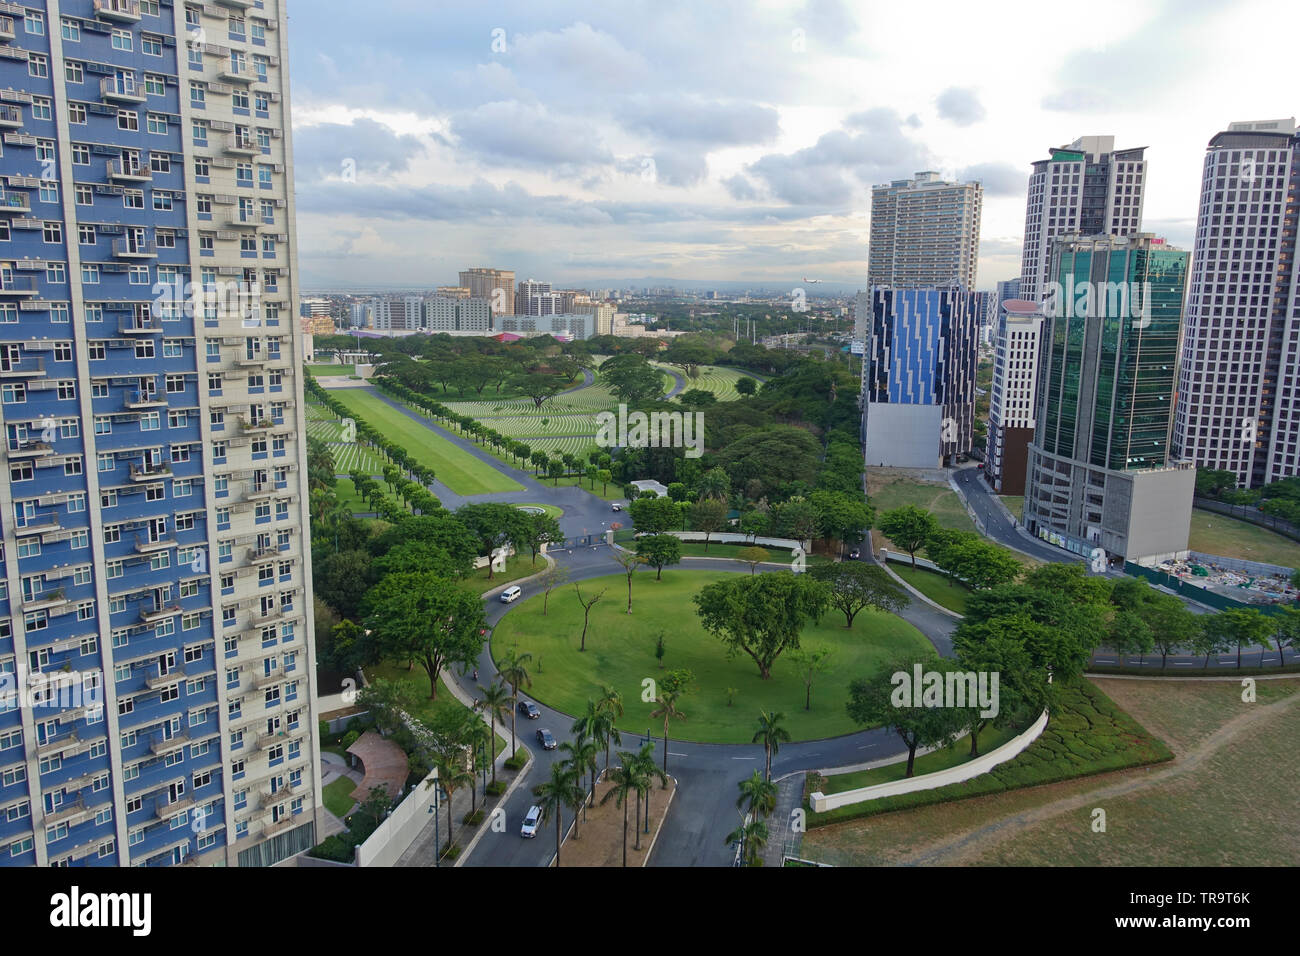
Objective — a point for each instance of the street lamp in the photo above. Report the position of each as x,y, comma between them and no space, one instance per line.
438,794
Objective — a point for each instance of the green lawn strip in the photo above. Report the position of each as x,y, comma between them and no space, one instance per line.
1087,734
1218,534
426,710
888,492
620,653
338,796
939,588
959,753
1016,505
455,468
520,566
551,510
329,370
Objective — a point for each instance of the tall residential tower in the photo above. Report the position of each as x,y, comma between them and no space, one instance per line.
925,233
156,646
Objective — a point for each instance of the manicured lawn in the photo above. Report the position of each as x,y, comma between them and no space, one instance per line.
1087,734
959,753
888,491
338,796
1218,534
939,588
620,653
458,470
520,566
551,510
320,370
1016,505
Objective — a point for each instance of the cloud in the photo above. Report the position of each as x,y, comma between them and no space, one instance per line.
372,149
517,134
999,179
961,106
680,167
695,120
739,187
1078,100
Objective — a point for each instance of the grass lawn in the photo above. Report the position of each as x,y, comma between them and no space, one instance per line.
551,510
620,653
939,588
1088,734
458,470
1185,813
338,796
1218,534
320,370
1016,505
889,491
959,753
520,566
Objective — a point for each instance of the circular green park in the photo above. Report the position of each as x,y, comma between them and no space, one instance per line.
722,704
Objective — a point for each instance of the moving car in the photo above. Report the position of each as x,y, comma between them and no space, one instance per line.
855,554
546,740
511,594
532,820
616,507
529,709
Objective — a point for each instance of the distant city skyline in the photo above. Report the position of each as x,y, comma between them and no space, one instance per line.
578,143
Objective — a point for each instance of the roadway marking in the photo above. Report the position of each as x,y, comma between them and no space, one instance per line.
744,758
673,753
1184,663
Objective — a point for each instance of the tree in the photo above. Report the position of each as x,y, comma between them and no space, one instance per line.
550,579
753,557
771,734
667,711
969,558
586,611
629,562
810,662
654,514
452,775
625,778
710,516
873,701
539,387
999,647
841,515
582,752
855,586
514,671
388,702
1206,641
746,386
757,795
714,484
761,617
649,774
659,551
426,618
1244,627
632,379
610,704
492,524
605,477
534,531
495,702
752,836
697,398
554,795
909,527
1288,633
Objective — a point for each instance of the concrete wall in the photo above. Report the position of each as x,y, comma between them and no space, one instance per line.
903,436
731,537
931,781
1161,515
395,835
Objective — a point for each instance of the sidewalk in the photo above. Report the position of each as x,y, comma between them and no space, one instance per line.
781,839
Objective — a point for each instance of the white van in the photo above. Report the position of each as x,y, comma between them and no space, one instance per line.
511,594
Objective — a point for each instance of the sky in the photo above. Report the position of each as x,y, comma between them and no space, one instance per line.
719,140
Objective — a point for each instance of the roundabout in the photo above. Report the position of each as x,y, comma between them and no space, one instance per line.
723,702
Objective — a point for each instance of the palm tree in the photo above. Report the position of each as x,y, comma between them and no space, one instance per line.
771,735
752,836
494,702
554,795
582,752
472,734
452,775
759,794
667,702
514,673
652,773
625,779
610,705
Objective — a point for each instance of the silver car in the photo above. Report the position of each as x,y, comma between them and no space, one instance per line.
531,822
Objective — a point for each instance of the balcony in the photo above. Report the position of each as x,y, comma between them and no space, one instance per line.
44,602
152,615
15,204
150,326
121,89
150,472
258,554
239,220
128,172
120,11
139,401
150,546
162,680
235,74
252,361
280,736
29,448
237,4
261,425
31,365
165,810
40,524
67,812
11,117
57,746
237,145
22,288
162,745
133,249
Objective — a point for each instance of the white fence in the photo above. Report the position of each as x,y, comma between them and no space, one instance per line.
887,555
731,537
394,836
930,781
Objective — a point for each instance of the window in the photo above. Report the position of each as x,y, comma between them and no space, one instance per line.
34,23
77,114
80,155
71,30
38,64
122,40
155,85
85,196
52,232
74,72
128,120
152,45
157,123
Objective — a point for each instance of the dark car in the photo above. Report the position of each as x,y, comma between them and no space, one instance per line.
546,740
855,554
529,709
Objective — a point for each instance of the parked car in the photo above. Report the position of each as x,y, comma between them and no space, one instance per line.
855,554
529,709
532,821
616,507
547,741
511,594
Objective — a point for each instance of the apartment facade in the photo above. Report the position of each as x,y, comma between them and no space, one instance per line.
1239,382
1013,394
925,233
1102,479
1086,188
454,314
918,375
156,646
495,285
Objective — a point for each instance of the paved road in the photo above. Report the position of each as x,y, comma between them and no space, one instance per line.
997,526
